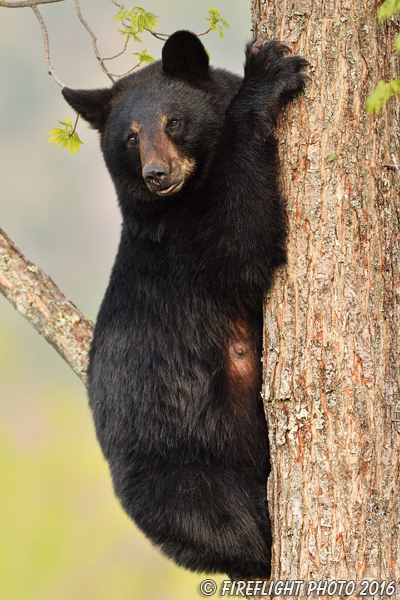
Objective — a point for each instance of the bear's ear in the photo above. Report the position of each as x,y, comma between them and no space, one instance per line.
90,104
183,55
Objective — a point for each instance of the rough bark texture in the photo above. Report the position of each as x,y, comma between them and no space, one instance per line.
332,319
38,299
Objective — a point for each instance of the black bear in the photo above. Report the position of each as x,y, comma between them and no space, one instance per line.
175,370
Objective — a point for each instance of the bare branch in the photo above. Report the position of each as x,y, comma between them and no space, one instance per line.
94,40
26,3
119,5
50,69
96,50
40,301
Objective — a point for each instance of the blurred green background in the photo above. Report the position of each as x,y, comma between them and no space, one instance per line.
62,533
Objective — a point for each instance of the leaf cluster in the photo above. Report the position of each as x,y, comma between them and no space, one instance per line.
144,57
215,19
66,138
135,21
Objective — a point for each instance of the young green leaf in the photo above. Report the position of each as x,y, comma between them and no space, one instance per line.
146,20
214,20
397,43
121,16
130,33
66,138
57,136
144,57
67,123
74,143
136,21
381,94
388,9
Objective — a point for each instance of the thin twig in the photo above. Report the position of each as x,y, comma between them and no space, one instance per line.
165,36
396,165
75,126
116,56
26,3
157,35
119,5
204,32
50,69
94,40
127,72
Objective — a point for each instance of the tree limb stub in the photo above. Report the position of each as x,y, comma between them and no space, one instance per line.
25,3
39,300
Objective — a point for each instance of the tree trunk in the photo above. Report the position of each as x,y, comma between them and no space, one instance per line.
332,319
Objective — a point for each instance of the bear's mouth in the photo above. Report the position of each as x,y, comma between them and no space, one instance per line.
172,189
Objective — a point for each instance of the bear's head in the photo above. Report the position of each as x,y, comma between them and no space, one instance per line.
160,125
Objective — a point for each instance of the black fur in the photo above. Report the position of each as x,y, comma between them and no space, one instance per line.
175,372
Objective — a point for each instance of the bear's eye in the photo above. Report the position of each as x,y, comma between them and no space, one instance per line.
132,140
173,123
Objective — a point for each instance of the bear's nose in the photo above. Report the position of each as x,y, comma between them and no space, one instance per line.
156,174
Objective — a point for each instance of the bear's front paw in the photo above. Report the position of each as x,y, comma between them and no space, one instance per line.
259,55
268,59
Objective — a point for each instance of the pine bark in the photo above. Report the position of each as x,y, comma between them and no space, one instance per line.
332,318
